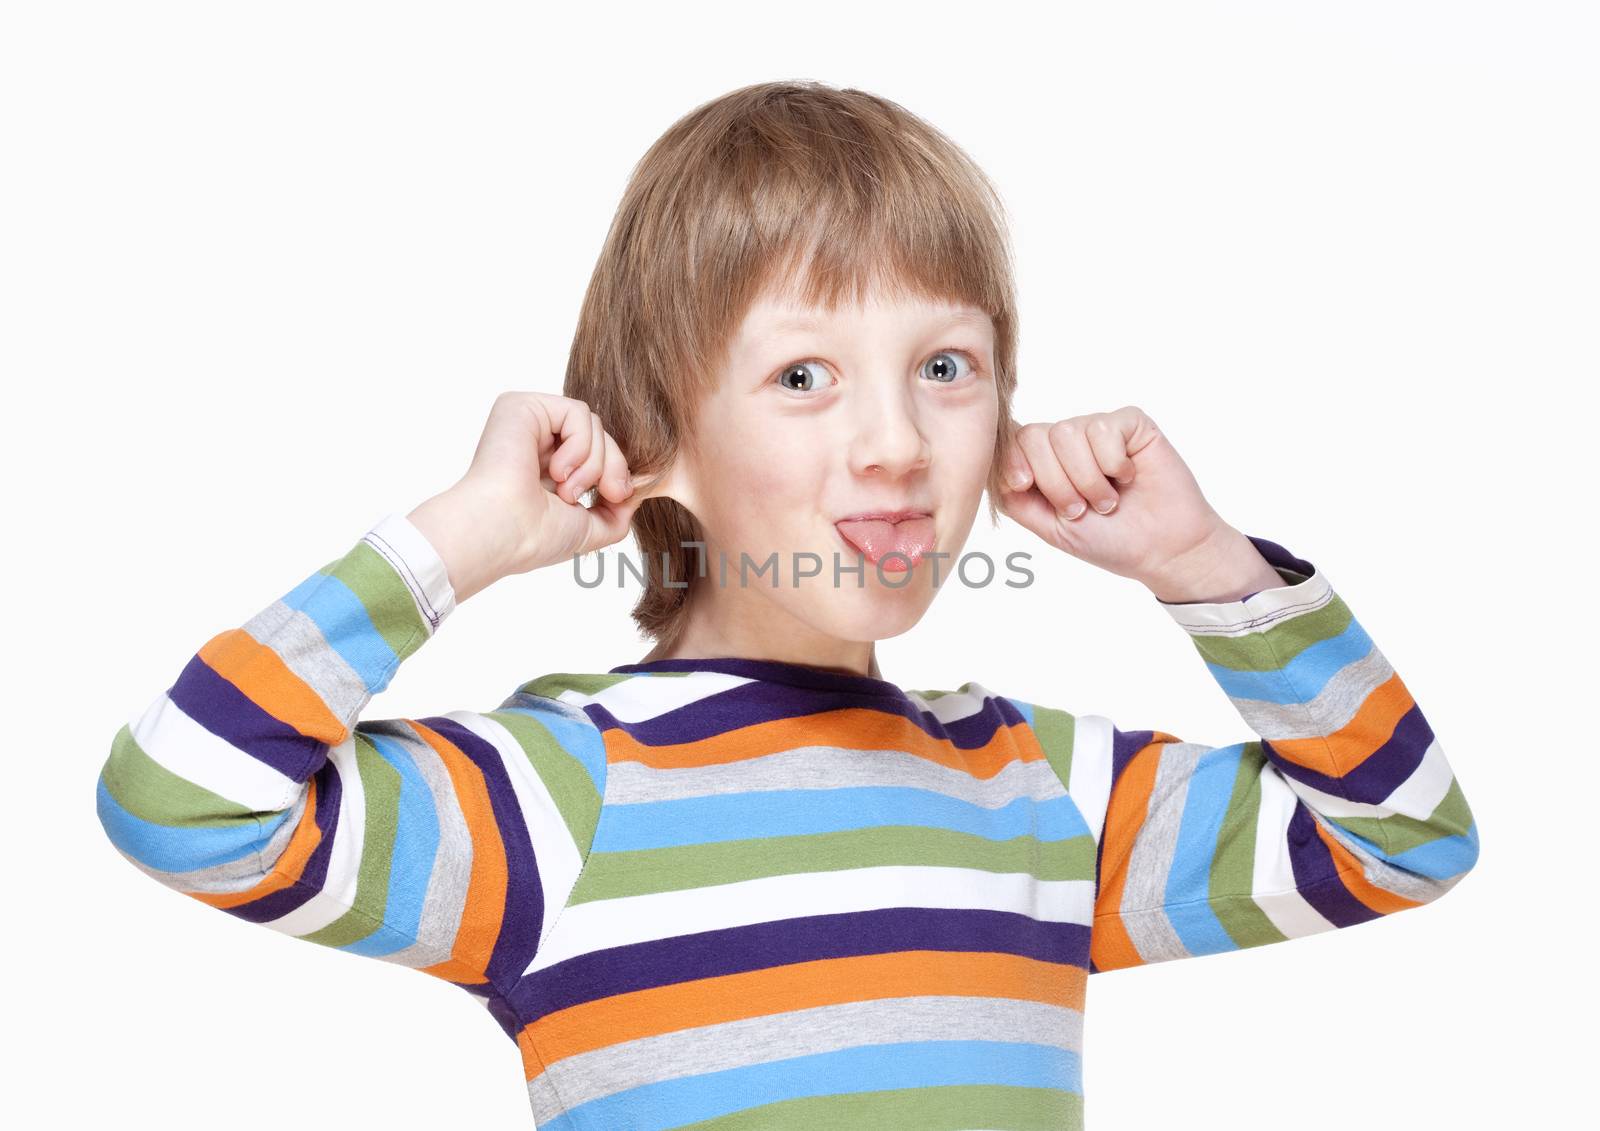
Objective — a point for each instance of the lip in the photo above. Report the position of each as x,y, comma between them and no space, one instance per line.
886,516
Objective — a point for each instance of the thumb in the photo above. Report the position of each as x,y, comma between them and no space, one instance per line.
608,522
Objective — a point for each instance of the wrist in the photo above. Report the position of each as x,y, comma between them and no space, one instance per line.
1225,567
459,524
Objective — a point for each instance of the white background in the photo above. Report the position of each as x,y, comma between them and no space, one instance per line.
265,267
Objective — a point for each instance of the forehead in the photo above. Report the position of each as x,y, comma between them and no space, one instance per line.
779,315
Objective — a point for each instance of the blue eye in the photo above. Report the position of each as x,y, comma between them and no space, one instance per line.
801,377
945,370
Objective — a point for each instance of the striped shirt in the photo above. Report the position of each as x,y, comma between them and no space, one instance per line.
736,893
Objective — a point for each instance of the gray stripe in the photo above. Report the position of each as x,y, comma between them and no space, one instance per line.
298,641
446,899
831,767
1410,885
1332,708
1154,847
755,1040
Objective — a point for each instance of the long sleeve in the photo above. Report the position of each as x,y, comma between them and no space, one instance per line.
436,843
1340,809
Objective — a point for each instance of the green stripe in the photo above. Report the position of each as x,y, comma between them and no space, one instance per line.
569,783
380,784
1056,729
551,686
1273,648
612,875
944,1108
1232,881
151,792
1398,833
386,596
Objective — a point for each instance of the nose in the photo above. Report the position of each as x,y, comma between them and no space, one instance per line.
888,436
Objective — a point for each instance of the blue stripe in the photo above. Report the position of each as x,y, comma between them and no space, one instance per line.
801,812
863,1068
1187,891
181,848
347,627
1438,859
1023,709
416,846
1302,678
581,739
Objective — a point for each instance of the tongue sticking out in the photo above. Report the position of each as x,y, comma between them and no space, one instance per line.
875,537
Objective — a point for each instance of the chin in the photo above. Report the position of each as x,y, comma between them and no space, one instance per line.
870,613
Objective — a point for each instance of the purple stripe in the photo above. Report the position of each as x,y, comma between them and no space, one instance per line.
1316,875
1380,774
1279,557
777,671
1124,745
219,706
524,911
733,950
330,789
763,702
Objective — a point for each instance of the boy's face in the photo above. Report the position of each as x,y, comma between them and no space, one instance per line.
819,416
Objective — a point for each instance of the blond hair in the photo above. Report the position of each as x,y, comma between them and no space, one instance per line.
776,185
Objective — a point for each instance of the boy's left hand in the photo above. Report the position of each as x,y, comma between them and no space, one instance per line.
1159,520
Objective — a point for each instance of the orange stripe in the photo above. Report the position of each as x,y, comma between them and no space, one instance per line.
488,883
291,865
855,728
1110,945
1354,877
260,673
800,985
1352,744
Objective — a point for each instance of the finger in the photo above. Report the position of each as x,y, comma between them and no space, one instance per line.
1018,476
608,521
587,473
1071,445
576,432
1108,441
1048,474
647,486
614,481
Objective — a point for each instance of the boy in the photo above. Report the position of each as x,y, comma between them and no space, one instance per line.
747,881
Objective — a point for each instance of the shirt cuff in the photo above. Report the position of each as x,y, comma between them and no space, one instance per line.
1304,588
398,540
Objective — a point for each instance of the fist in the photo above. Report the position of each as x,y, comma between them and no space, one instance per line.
539,453
1109,489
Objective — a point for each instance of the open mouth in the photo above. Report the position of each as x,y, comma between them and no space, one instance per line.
878,537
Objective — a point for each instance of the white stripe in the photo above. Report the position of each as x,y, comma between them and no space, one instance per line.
556,855
599,924
1418,796
1272,881
344,865
403,545
177,742
1255,614
1091,769
643,698
955,706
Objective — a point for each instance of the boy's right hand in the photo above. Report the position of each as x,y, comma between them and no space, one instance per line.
517,507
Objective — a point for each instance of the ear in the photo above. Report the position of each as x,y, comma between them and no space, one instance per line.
669,484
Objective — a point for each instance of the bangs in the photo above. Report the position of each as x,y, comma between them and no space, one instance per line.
826,208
